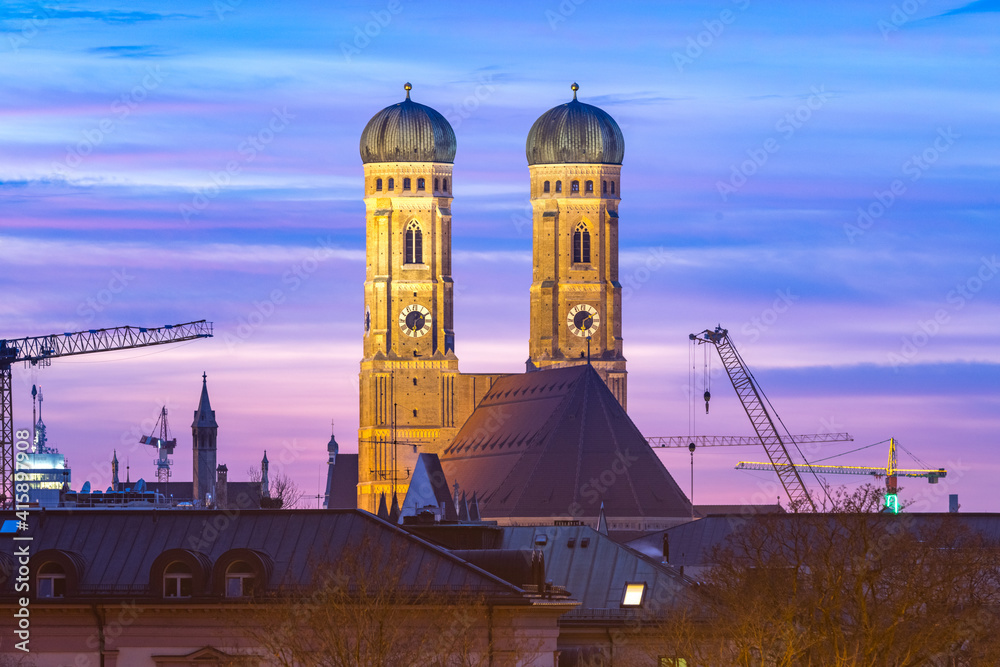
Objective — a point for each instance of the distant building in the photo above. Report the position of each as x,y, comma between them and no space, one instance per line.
44,469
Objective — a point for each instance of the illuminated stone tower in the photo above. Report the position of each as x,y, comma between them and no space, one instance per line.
409,366
575,153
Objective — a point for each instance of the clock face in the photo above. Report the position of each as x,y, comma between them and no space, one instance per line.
583,320
415,320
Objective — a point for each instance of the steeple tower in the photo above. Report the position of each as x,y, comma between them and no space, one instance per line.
204,431
332,449
114,472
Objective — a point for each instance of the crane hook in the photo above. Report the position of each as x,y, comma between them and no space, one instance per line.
708,397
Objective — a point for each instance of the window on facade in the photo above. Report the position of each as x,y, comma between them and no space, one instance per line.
392,184
444,185
414,244
239,580
406,183
604,187
634,593
51,581
421,184
558,186
378,185
574,187
612,187
437,183
581,244
590,187
545,186
177,581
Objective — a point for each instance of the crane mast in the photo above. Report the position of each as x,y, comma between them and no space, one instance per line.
762,421
42,349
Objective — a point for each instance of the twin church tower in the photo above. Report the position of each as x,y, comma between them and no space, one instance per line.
413,396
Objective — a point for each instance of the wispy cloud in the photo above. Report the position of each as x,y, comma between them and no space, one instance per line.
977,7
137,51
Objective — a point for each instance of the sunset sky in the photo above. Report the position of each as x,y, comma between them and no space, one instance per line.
821,179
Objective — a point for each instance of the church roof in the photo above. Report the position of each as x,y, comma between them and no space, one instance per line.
555,442
342,482
408,132
575,133
204,416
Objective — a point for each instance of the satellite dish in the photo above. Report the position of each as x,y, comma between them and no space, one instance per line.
85,488
140,486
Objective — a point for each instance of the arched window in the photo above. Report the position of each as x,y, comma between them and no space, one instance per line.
239,580
378,185
581,244
177,581
437,183
414,244
392,184
445,186
575,187
51,581
421,184
406,183
612,187
590,187
558,186
604,187
545,186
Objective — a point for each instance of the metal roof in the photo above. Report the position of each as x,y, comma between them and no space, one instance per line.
408,132
575,133
556,442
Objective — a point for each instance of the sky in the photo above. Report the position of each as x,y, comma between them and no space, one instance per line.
820,179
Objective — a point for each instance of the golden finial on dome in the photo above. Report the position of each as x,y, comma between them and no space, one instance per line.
407,87
575,87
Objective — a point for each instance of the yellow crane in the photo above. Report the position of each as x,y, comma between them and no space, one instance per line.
891,472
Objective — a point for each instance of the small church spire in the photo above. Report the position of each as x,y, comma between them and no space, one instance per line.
114,471
265,492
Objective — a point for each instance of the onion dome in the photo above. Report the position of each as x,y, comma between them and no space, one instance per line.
408,132
575,133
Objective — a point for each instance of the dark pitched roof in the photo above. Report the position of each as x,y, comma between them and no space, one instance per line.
342,483
118,547
557,443
429,487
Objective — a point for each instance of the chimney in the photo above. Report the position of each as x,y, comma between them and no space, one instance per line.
221,486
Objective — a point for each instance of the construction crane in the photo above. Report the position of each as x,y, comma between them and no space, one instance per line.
42,349
164,447
738,440
891,472
763,422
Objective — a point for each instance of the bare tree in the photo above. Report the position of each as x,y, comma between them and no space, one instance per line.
283,492
847,587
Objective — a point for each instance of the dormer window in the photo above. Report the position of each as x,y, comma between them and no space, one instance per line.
239,580
634,594
177,581
51,581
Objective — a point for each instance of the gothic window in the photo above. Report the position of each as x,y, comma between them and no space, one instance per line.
437,183
414,244
581,244
406,183
239,580
612,187
177,581
421,184
378,185
392,184
575,187
51,581
445,186
558,186
590,187
545,186
604,187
